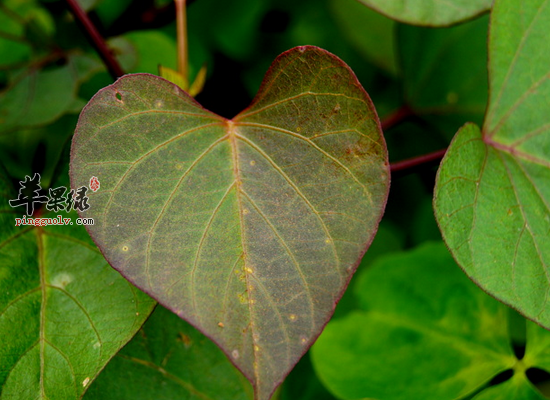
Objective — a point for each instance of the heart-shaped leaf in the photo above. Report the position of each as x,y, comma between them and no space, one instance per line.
492,197
248,228
63,311
430,12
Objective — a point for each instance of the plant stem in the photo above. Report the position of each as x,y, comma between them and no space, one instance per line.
417,161
97,41
396,117
181,20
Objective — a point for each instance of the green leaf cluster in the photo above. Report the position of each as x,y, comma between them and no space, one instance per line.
246,212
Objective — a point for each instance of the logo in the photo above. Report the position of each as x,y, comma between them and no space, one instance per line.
59,199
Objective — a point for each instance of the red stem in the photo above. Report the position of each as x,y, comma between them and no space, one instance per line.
417,161
99,44
396,117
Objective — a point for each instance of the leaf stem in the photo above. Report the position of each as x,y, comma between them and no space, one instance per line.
97,40
396,117
417,161
181,21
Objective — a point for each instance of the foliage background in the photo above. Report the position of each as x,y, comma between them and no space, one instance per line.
424,82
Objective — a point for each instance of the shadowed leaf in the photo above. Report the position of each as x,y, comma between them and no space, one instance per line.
249,228
443,83
430,12
378,44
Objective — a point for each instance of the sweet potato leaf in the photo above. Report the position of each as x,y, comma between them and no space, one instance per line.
492,198
249,228
27,85
379,43
63,311
169,359
516,388
423,331
443,83
537,349
26,102
430,12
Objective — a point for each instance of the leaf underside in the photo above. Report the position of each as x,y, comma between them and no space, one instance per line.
492,198
249,228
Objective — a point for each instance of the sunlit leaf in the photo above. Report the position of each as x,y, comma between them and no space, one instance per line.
198,84
423,331
516,388
174,76
248,228
63,311
537,350
492,194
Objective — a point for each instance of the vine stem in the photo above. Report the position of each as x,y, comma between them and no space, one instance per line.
181,21
97,40
396,117
417,161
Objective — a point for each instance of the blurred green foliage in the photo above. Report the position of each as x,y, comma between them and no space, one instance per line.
49,70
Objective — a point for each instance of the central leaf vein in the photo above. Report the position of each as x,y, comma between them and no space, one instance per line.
290,254
301,195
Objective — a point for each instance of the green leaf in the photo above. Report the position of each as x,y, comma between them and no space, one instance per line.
537,349
303,384
378,42
174,76
14,46
63,311
443,83
19,152
152,48
233,28
516,388
86,5
492,195
169,359
36,97
248,228
424,331
430,12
